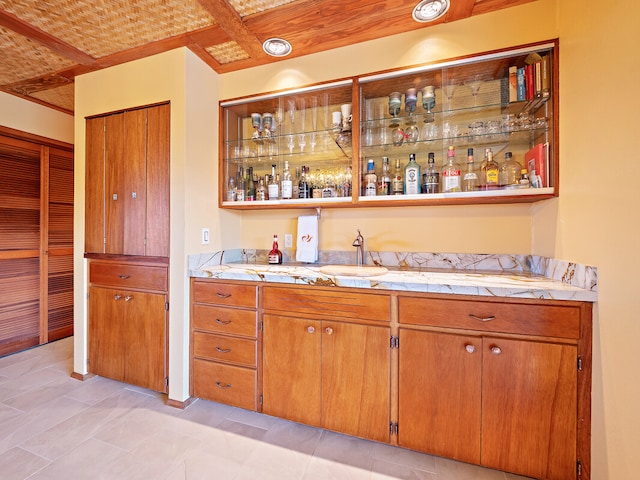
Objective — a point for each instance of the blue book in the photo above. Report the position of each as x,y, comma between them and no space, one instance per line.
522,90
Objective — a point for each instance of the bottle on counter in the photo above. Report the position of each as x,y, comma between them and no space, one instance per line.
317,185
304,187
432,180
261,190
412,176
450,176
370,180
509,171
273,187
489,172
231,190
287,182
296,185
524,179
470,177
251,185
397,182
241,186
384,183
275,255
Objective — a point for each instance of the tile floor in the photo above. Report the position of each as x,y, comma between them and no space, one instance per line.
55,427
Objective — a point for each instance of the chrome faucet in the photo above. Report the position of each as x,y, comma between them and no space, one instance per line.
359,244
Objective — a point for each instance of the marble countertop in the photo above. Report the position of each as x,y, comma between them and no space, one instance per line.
509,283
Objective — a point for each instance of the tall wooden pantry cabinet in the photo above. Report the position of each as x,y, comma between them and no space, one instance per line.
127,244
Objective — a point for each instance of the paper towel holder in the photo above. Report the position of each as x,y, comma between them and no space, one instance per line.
318,212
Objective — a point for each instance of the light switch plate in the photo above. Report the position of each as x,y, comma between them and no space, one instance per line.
288,240
205,236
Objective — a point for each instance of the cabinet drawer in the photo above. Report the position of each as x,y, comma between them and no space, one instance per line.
338,303
225,383
526,319
225,294
223,348
122,275
231,321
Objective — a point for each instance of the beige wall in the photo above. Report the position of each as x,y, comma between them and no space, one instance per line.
34,118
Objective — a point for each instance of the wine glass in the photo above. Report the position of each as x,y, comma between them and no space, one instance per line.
395,102
256,123
314,123
411,132
429,102
474,86
449,89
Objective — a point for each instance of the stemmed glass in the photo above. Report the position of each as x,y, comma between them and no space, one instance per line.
302,142
314,122
395,102
256,123
291,111
474,86
412,132
449,90
429,102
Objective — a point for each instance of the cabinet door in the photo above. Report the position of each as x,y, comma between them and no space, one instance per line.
145,338
107,350
439,394
291,368
355,379
529,408
113,226
94,186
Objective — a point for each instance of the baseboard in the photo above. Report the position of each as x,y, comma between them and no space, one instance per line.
181,405
82,376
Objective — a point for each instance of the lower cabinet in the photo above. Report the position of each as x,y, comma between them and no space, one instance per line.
127,324
328,373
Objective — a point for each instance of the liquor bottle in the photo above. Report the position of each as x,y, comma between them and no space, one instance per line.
296,185
370,180
231,190
287,182
316,185
303,186
451,173
433,175
509,172
241,186
275,255
261,191
251,185
470,178
412,176
273,187
397,183
524,179
490,171
384,183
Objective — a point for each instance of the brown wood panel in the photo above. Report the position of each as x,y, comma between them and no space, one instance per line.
225,294
331,302
106,329
291,378
356,379
229,321
94,225
157,178
222,348
128,276
225,384
114,180
439,394
528,408
505,317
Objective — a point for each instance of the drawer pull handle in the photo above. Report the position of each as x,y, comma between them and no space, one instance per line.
470,348
223,295
328,330
483,319
124,277
128,298
311,329
224,387
496,350
223,350
223,322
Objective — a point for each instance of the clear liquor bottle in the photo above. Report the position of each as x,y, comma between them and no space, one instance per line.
273,187
261,191
296,185
412,176
275,255
470,177
231,190
303,186
432,181
509,172
397,182
384,183
451,173
287,183
370,180
251,185
241,186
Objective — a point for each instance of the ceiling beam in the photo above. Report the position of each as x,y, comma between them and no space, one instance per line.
231,22
460,9
12,22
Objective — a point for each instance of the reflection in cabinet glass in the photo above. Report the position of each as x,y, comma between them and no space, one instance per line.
505,101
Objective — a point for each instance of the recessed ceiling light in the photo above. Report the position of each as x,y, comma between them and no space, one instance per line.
428,10
277,47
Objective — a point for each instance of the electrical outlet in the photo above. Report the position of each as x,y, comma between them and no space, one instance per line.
288,240
205,236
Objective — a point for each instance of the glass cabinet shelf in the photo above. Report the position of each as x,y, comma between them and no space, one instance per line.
326,136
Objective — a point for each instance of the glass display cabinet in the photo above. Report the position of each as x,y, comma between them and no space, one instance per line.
349,143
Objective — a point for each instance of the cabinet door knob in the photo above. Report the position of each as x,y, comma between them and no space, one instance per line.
328,330
223,322
220,385
123,277
223,350
496,350
483,319
470,348
223,295
117,297
311,329
128,298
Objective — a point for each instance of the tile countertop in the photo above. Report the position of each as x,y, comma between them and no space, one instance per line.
487,275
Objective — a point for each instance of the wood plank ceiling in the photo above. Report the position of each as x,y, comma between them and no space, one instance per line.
44,44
